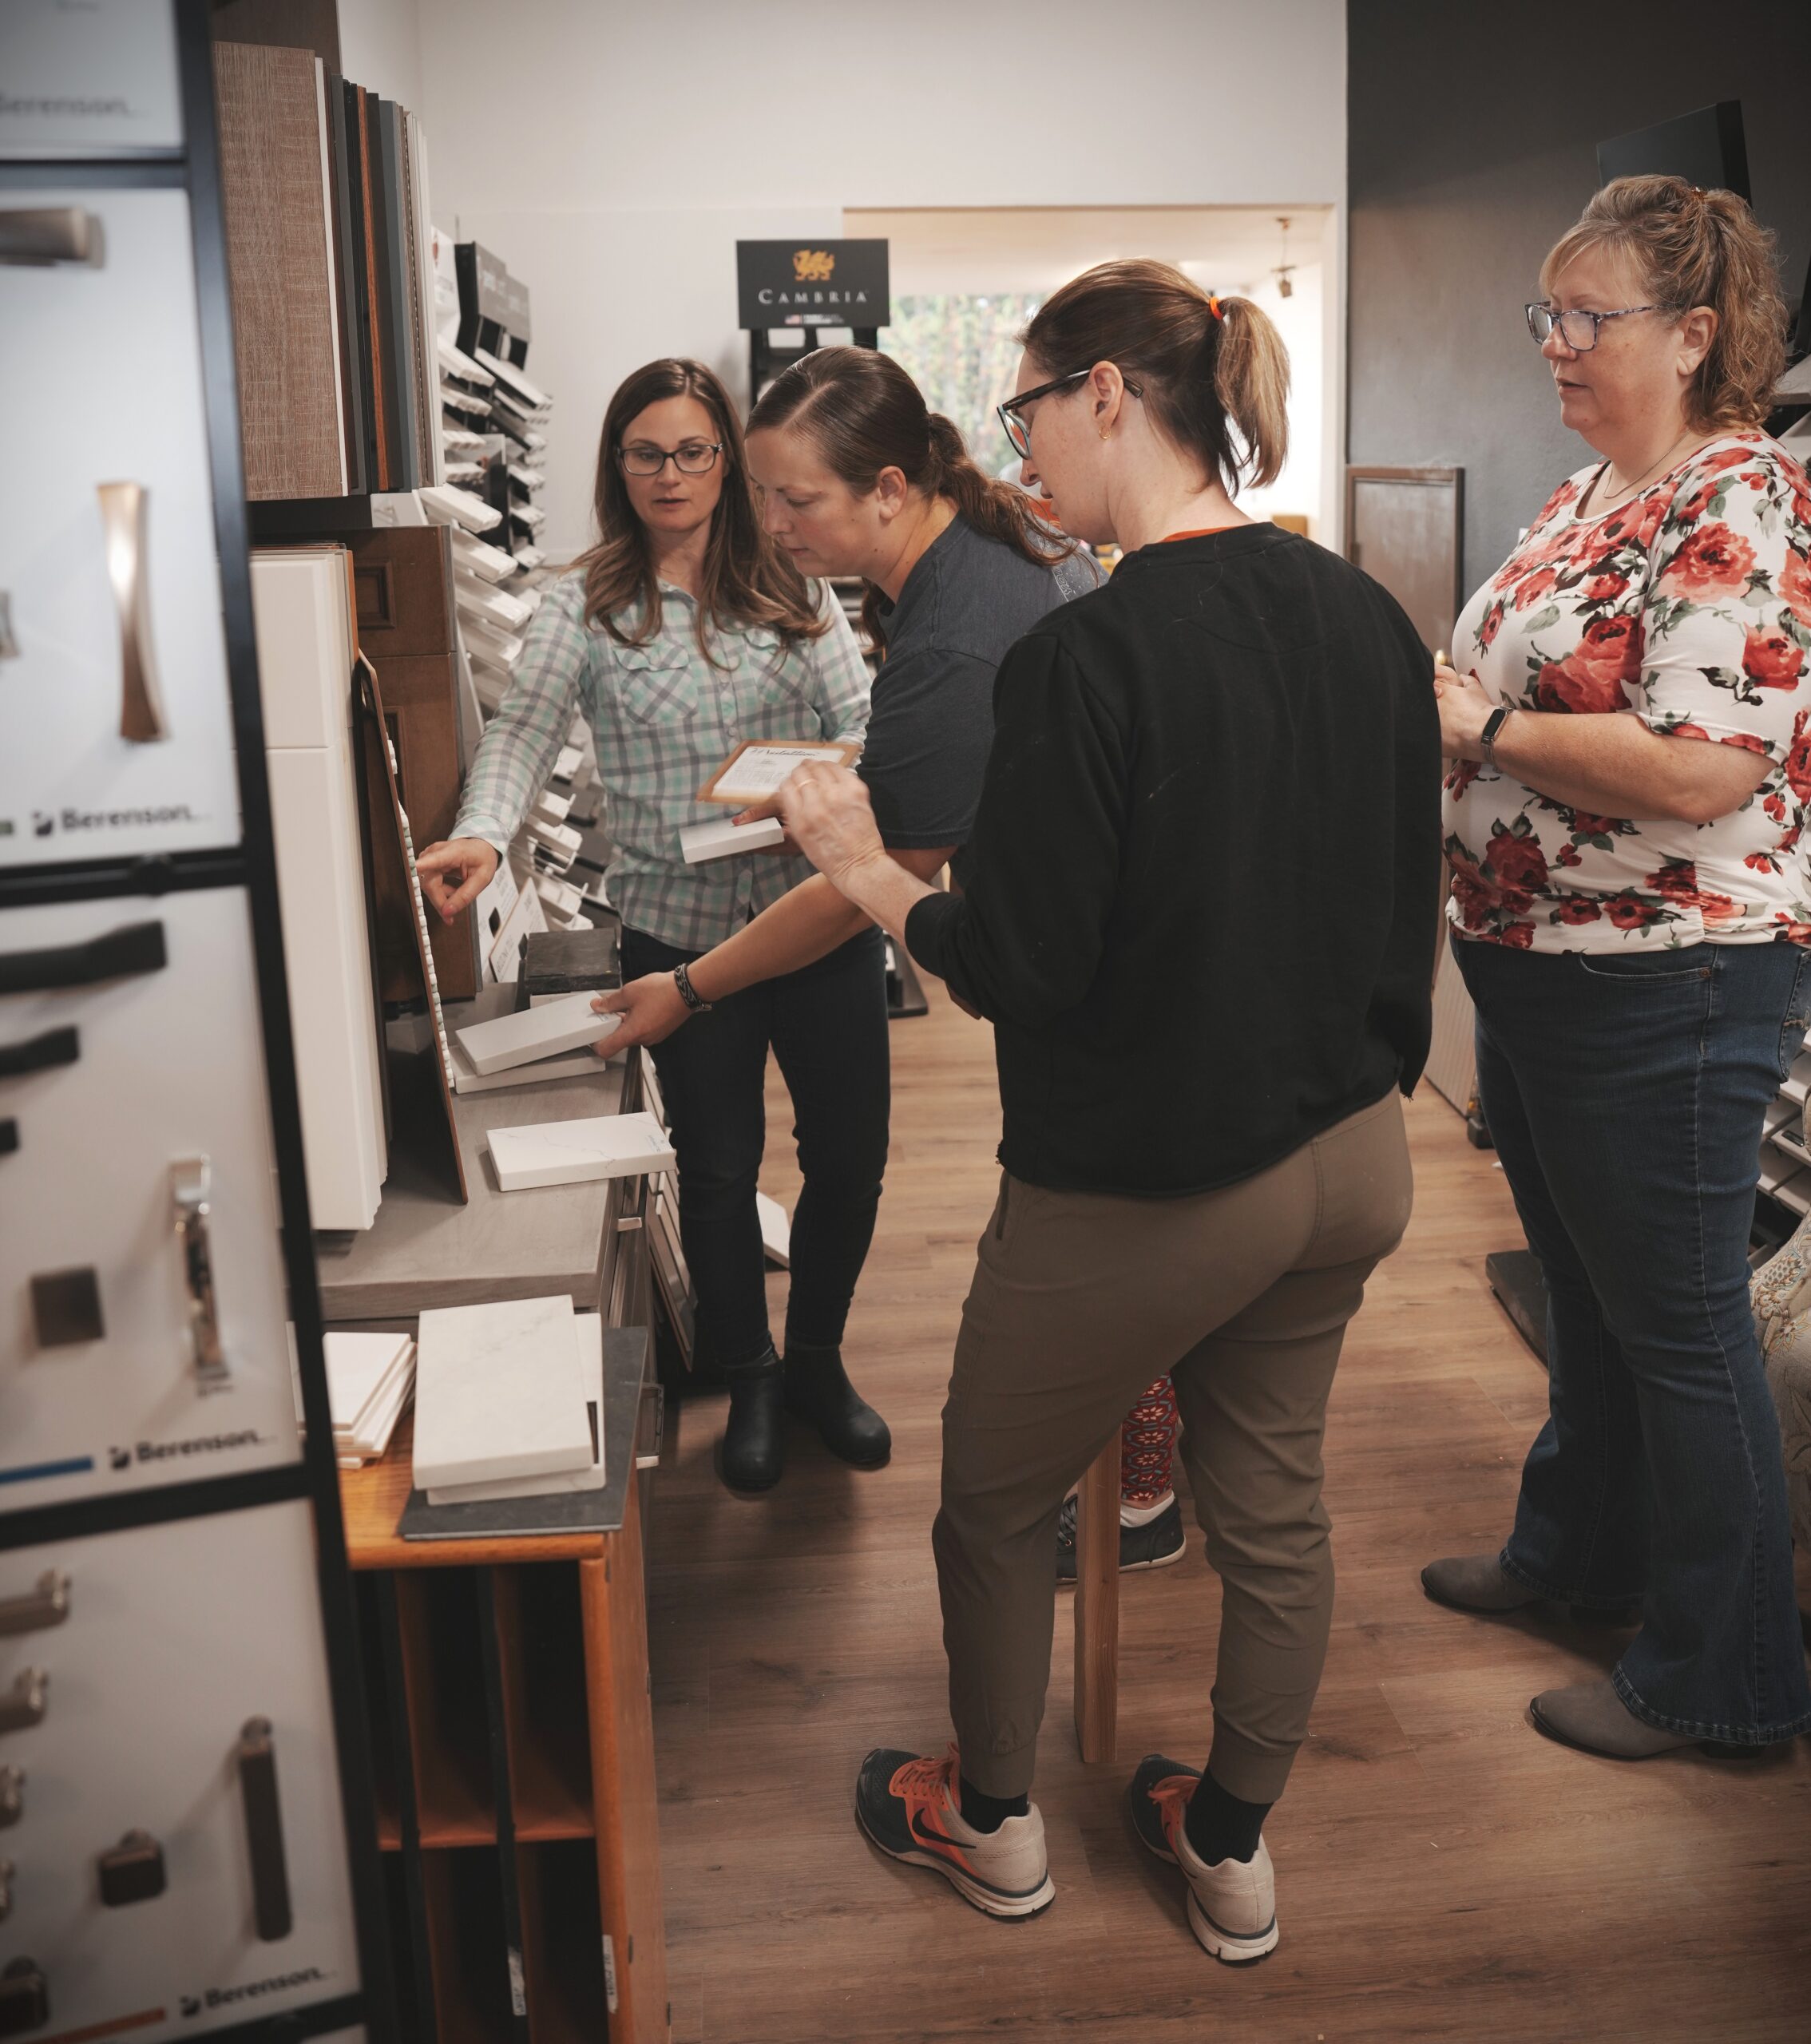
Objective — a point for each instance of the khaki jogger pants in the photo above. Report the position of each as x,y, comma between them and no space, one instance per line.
1078,1300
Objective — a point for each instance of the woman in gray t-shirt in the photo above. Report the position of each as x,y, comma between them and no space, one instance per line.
857,477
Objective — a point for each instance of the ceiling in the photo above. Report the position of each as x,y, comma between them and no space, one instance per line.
1034,249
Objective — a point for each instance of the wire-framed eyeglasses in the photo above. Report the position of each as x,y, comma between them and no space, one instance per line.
1579,329
1011,414
693,457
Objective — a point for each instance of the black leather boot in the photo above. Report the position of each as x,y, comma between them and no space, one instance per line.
754,1440
818,1389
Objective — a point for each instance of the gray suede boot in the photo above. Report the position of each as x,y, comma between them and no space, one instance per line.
1480,1583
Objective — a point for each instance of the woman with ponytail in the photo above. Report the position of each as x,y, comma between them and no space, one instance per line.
1199,911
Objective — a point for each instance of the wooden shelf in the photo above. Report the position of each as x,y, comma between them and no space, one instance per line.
455,1799
562,1958
541,1634
467,1950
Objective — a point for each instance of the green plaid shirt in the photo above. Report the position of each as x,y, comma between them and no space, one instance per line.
664,718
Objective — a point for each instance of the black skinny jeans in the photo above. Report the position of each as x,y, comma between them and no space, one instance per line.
827,1025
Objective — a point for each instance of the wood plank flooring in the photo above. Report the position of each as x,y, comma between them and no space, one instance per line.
1442,1873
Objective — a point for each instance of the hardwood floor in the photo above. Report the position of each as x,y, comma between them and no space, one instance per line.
1442,1873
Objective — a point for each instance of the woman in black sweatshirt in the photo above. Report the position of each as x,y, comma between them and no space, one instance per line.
1201,913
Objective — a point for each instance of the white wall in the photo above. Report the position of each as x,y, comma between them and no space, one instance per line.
380,46
612,154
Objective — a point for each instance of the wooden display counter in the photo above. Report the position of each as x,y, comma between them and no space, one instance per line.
506,1678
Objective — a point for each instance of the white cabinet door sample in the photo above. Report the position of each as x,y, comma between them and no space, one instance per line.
103,360
168,1067
178,1636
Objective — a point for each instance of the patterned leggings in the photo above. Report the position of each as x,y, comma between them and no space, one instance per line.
1147,1438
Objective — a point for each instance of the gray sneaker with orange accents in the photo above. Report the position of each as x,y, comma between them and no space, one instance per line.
909,1807
1232,1907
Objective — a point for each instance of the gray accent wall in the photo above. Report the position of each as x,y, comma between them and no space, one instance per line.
1473,130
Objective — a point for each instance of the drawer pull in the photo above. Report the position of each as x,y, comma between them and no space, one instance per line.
39,1053
25,1702
116,955
46,1604
124,511
25,1998
12,1795
9,1137
257,1758
133,1871
191,1181
34,237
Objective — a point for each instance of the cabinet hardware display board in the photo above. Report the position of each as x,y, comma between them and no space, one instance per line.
184,1778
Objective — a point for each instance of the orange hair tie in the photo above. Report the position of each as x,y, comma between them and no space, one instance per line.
1214,306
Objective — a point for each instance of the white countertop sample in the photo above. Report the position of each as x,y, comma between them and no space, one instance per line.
569,1024
498,1392
588,1333
700,842
568,1152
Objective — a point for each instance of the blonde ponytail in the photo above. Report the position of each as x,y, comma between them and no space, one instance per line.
1251,387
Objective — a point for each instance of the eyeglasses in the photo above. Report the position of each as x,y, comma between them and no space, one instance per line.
1017,427
696,457
1579,329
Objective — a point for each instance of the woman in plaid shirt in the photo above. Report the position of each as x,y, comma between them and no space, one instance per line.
683,632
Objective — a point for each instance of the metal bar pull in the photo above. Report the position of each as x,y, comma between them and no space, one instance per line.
25,1702
256,1759
6,1872
39,1053
191,1180
123,520
115,954
47,1604
35,236
12,1795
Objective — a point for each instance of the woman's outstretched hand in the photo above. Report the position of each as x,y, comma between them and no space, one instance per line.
650,1008
828,815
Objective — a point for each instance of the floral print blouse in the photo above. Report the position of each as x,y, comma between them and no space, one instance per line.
1690,604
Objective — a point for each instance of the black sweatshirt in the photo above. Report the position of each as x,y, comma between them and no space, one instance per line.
1202,905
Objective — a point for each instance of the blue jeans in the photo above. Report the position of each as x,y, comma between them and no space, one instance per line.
1626,1094
827,1026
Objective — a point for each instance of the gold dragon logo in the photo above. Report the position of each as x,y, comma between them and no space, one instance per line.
813,266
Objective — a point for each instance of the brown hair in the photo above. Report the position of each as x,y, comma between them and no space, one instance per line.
1697,248
1208,369
863,413
747,580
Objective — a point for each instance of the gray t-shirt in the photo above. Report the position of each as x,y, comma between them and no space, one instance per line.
931,725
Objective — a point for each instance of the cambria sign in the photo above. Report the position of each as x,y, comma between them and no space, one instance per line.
812,283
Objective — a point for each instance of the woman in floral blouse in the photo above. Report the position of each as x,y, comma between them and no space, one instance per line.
1627,712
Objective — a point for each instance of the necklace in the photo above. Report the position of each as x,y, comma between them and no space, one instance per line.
1629,489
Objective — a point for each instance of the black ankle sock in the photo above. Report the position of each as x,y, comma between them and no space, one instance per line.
988,1813
1220,1826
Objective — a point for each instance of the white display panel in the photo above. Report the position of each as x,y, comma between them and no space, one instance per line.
177,1637
94,79
170,1067
104,360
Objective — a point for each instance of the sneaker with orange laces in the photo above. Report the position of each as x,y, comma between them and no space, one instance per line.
1232,1906
909,1808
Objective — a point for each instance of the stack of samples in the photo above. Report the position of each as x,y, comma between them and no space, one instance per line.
509,1402
369,1380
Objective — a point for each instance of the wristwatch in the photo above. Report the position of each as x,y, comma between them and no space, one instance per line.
1492,730
689,993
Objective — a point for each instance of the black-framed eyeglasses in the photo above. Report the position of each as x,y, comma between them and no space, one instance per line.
1017,428
1579,329
695,457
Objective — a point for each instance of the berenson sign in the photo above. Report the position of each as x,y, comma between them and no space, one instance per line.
812,283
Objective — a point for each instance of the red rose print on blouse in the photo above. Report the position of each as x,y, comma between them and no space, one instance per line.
1772,660
1690,605
1713,562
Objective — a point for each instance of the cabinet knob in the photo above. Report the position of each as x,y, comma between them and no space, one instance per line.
25,1998
46,1603
25,1702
